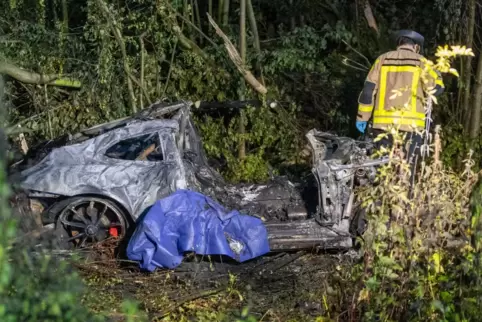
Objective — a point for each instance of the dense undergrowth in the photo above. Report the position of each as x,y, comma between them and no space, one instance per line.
420,260
421,247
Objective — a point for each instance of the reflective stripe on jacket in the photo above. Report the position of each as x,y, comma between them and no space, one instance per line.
399,71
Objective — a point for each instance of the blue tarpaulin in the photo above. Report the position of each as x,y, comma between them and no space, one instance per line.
188,221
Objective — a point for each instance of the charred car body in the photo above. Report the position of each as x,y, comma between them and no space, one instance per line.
97,183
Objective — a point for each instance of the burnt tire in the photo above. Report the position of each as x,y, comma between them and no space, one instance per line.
84,221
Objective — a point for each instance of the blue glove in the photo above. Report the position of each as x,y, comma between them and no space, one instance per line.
361,126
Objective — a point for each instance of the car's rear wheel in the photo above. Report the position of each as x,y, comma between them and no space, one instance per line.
85,221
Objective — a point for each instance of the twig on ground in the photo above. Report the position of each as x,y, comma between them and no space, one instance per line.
190,298
284,263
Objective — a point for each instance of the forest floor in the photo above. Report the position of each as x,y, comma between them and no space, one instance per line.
299,286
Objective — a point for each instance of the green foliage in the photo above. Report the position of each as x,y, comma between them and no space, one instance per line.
457,144
418,257
419,254
311,72
271,139
34,287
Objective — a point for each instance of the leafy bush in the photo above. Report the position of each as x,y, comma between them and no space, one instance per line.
271,138
34,287
421,254
418,256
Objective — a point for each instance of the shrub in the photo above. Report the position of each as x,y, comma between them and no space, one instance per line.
420,254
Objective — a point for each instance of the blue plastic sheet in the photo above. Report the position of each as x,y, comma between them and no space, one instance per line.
188,221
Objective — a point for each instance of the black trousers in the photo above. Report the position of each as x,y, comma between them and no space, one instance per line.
411,149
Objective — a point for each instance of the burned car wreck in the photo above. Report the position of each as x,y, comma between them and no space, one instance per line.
99,182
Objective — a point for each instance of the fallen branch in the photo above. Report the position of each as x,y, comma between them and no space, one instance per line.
188,299
28,77
188,44
191,24
236,59
23,143
284,263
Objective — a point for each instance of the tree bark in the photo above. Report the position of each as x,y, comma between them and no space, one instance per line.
292,18
193,21
27,77
210,9
141,81
3,115
257,45
236,59
467,69
226,13
220,10
477,102
188,44
120,42
65,17
198,18
242,50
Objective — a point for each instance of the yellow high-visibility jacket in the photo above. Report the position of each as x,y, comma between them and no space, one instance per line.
398,70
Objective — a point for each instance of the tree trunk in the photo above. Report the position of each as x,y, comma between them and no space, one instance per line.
65,17
242,50
257,45
120,42
193,22
3,115
141,81
50,15
467,70
226,13
198,18
210,11
293,18
220,10
477,102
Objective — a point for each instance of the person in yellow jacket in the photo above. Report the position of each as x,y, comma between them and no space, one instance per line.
398,71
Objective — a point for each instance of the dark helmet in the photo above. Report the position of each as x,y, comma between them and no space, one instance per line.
410,34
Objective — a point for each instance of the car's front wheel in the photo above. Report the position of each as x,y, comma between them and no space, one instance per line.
89,220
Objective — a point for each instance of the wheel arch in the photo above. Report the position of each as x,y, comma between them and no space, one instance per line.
52,213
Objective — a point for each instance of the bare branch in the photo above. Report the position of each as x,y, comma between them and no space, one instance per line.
236,59
359,53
